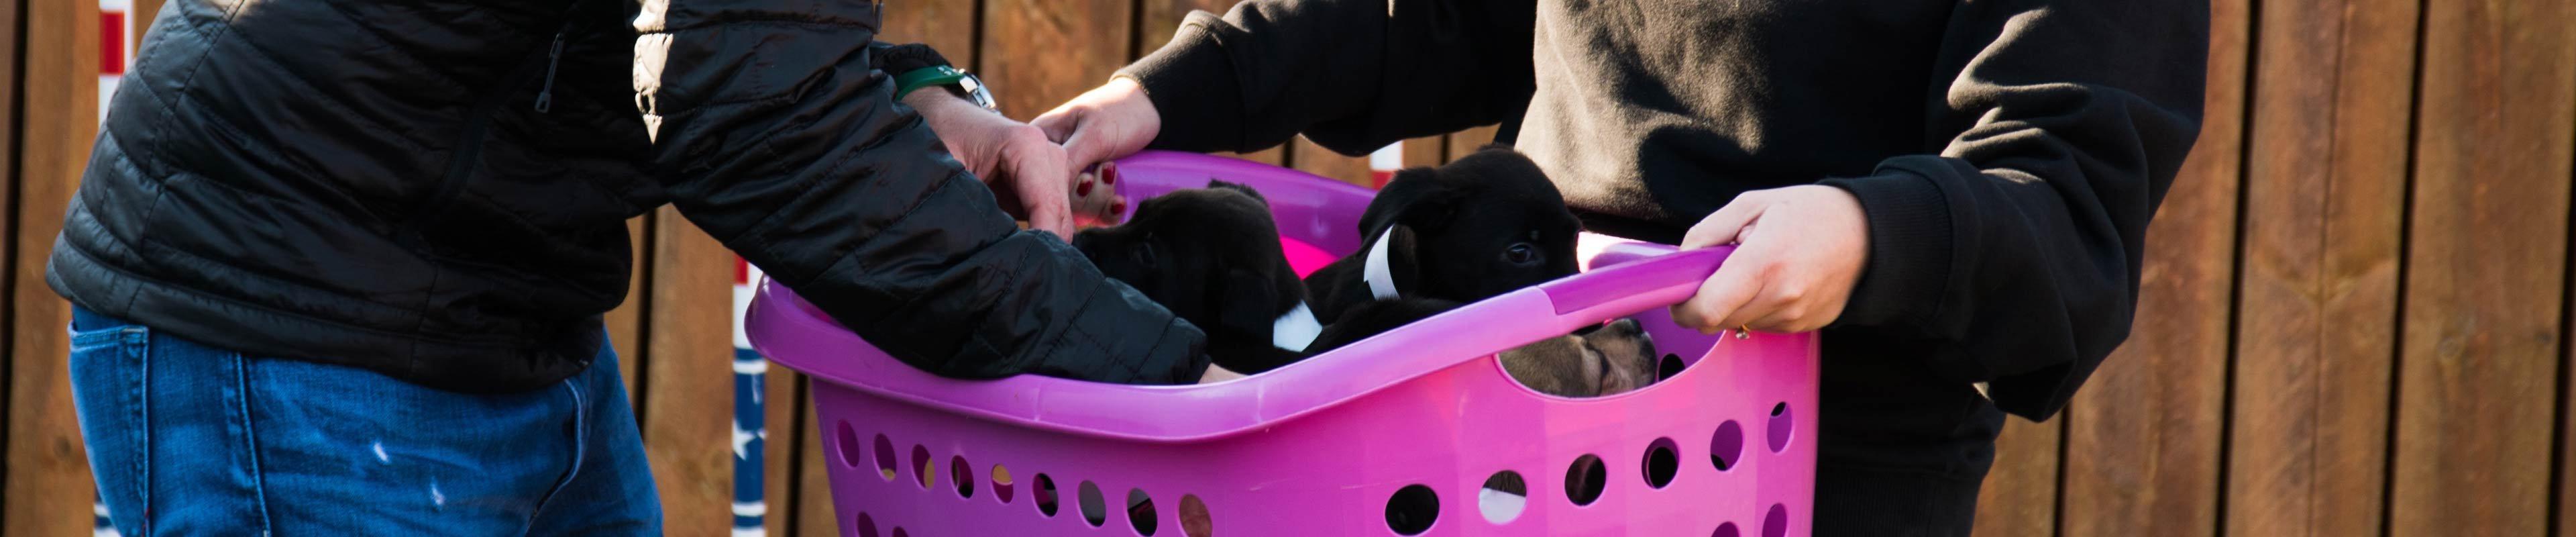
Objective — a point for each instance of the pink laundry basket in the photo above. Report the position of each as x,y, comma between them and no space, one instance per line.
1394,435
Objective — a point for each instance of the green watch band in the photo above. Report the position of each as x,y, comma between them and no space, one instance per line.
936,75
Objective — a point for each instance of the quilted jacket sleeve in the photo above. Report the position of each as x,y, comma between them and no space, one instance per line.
773,134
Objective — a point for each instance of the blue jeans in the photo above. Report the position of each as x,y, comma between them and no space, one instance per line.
187,439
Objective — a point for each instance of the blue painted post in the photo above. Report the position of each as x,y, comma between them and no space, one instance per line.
750,372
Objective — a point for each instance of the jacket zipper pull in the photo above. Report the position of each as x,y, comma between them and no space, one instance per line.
554,55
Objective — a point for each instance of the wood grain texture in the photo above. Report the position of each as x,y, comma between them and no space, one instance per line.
2148,425
144,11
2020,496
688,416
48,486
11,12
2487,249
778,449
814,514
1466,141
1315,159
1038,53
2324,220
946,25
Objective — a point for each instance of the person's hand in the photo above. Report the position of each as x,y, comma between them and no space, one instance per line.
1799,251
1024,169
1110,121
1218,374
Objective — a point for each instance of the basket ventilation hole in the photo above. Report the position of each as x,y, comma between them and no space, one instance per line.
845,443
1669,366
1583,481
922,471
1140,512
885,458
1503,497
1194,517
1779,428
898,532
1776,522
959,473
1044,495
1412,510
867,528
1727,530
1001,483
1663,459
1727,447
1094,509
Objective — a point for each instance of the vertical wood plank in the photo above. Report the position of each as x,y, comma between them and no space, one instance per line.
814,514
946,25
143,13
688,421
2020,496
1038,53
1466,141
48,486
778,443
2484,269
2149,423
2325,209
10,12
1160,18
1315,159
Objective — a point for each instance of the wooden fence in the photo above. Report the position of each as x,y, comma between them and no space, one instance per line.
2354,321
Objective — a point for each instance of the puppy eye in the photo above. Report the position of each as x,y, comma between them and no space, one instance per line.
1521,253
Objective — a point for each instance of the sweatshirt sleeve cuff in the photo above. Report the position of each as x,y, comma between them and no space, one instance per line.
1910,248
1193,86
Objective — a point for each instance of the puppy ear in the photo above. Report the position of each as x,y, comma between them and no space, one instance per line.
1420,196
1248,302
1238,187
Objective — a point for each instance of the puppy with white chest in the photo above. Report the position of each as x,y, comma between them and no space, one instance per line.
1480,226
1212,256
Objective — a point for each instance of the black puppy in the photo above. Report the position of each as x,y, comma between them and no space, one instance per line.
1212,256
1476,227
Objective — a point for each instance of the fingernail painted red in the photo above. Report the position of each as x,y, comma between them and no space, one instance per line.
1083,189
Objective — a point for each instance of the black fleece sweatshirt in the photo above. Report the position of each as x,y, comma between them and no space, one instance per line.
2008,153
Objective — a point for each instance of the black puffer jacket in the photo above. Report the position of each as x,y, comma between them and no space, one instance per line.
426,190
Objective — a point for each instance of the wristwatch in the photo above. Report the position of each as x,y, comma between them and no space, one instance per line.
916,66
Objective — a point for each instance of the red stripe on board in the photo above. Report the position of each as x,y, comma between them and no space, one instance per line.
111,43
741,271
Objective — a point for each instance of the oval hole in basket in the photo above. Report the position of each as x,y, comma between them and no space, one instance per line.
1412,510
1001,483
865,527
1140,513
1584,480
1194,517
845,443
1094,509
885,458
1779,428
1043,494
1727,446
1727,530
922,471
1503,497
1776,522
1667,367
1663,459
961,474
898,532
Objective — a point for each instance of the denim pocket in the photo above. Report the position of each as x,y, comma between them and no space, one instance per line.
110,373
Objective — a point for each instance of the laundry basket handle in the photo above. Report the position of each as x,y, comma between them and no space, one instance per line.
1620,290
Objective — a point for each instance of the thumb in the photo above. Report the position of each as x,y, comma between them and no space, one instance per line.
1725,225
1059,124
